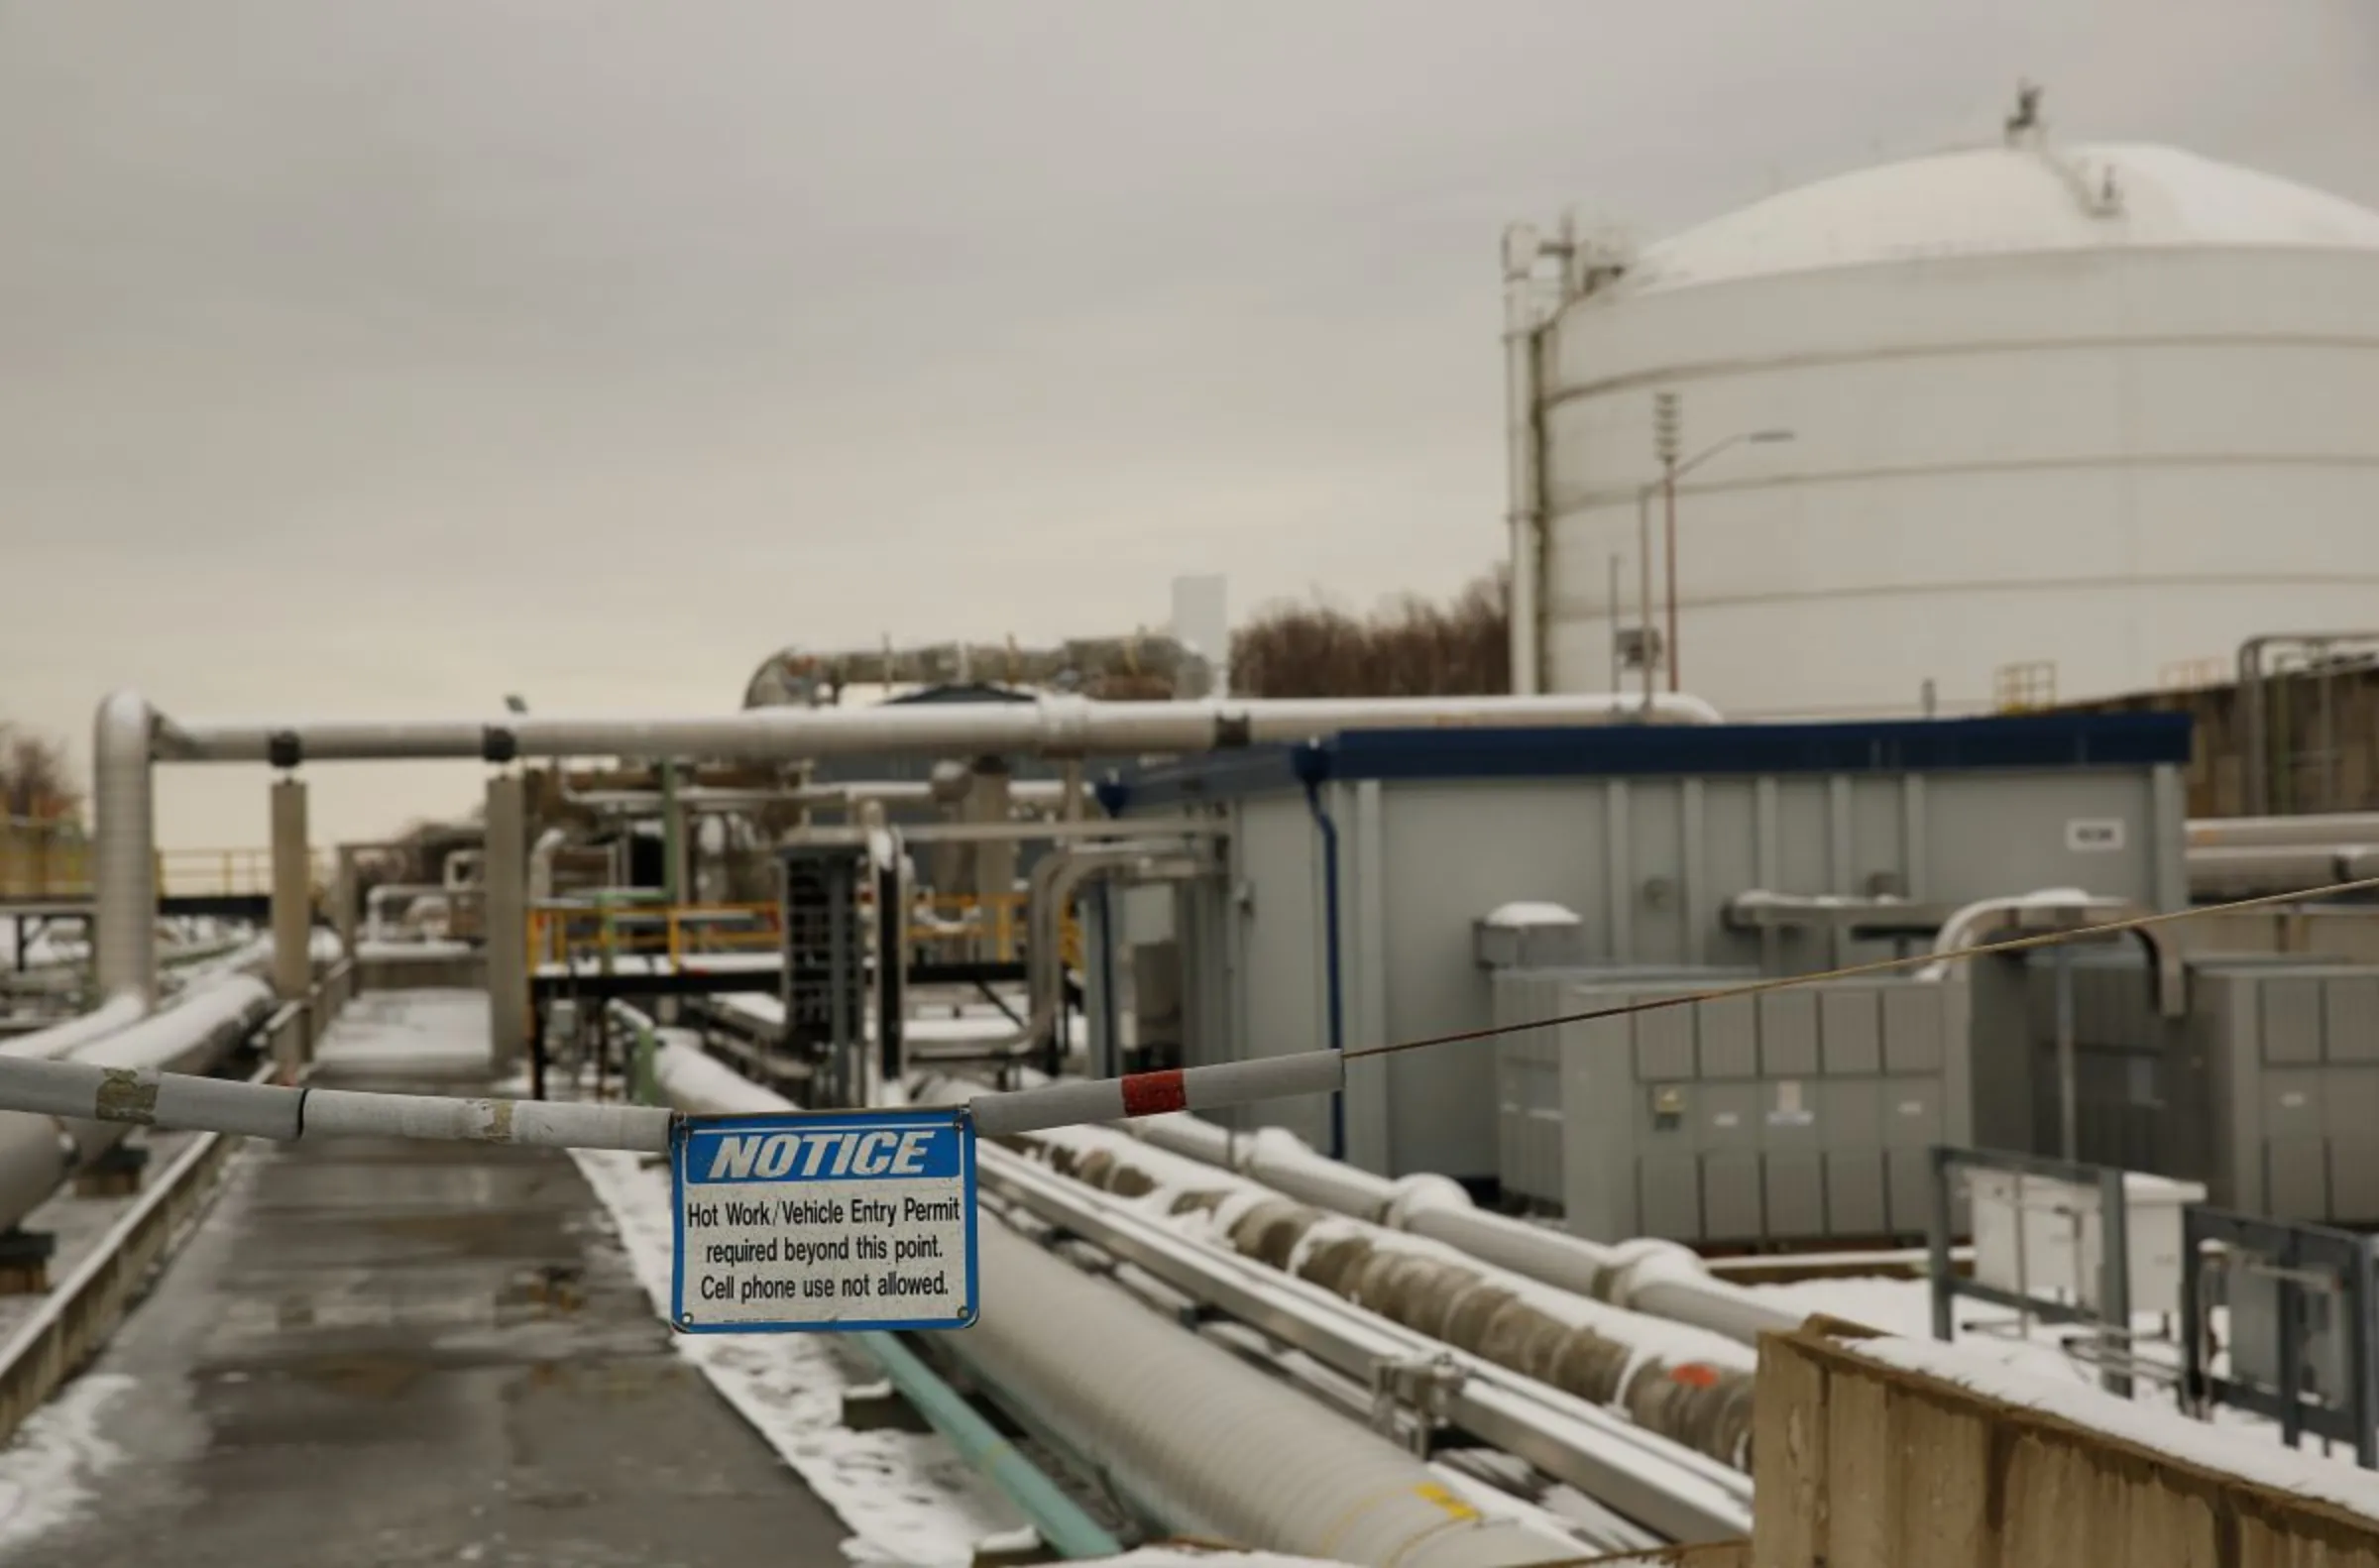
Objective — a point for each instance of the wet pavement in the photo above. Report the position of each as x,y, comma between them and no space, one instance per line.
384,1353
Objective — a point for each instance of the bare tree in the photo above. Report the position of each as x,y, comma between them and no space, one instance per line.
36,783
1411,648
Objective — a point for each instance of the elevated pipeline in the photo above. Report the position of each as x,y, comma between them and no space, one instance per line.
192,1035
1191,1436
1655,1277
1691,1387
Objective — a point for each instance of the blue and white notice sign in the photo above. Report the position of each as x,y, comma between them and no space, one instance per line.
823,1220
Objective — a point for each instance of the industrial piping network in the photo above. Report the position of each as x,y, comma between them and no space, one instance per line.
1685,1384
1666,1487
1193,1438
2239,857
130,738
1659,1279
114,1043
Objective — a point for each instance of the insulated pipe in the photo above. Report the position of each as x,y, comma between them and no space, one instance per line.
1659,1279
124,849
1523,469
1060,724
540,863
190,1037
2244,871
2264,833
1190,1434
1204,1443
60,1040
889,792
376,901
1689,1386
1055,879
1058,1518
36,1150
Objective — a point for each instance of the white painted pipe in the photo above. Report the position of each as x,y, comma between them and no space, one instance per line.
118,1012
2267,833
1048,723
1659,1279
1190,1433
1522,468
124,849
2226,871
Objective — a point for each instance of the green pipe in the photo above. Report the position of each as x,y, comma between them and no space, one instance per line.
1062,1525
643,1085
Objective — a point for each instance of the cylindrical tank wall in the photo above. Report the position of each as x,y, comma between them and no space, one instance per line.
2114,458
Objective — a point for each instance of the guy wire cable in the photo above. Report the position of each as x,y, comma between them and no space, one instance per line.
2043,939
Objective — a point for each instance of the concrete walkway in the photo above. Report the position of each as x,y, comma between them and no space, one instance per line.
391,1353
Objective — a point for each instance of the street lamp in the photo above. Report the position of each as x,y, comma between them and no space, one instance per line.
1672,469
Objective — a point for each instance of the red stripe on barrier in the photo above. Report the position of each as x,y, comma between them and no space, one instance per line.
1154,1093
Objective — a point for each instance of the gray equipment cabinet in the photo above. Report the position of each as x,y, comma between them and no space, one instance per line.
1360,866
2267,1091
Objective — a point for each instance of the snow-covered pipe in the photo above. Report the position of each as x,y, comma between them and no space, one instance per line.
58,1039
1658,1277
189,1037
377,901
1682,1383
130,735
38,1151
1188,1432
1204,1442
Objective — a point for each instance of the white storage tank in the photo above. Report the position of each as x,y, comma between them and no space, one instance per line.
2064,422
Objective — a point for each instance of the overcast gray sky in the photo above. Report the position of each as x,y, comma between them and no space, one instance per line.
383,357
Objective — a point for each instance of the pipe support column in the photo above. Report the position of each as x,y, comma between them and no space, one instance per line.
505,914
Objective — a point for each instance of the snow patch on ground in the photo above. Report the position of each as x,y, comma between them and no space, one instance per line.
1194,1557
402,1030
48,1473
907,1497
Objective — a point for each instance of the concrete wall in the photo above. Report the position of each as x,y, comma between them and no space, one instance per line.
1860,1465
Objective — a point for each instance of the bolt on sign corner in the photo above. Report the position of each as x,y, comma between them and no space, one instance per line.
833,1220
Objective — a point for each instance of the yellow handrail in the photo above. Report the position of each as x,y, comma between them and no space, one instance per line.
49,864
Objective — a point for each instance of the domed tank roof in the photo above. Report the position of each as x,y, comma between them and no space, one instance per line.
2006,200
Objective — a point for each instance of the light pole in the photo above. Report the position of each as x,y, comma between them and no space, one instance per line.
1666,424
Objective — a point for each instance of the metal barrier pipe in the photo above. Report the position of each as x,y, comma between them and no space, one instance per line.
1062,1525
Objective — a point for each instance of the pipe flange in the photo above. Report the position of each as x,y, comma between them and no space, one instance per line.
499,745
1065,725
284,749
1411,1195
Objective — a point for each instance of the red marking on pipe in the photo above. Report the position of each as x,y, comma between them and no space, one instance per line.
1695,1374
1154,1093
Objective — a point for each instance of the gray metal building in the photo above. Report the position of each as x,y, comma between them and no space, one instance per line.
1359,866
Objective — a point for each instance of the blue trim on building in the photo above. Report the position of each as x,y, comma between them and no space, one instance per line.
2040,741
